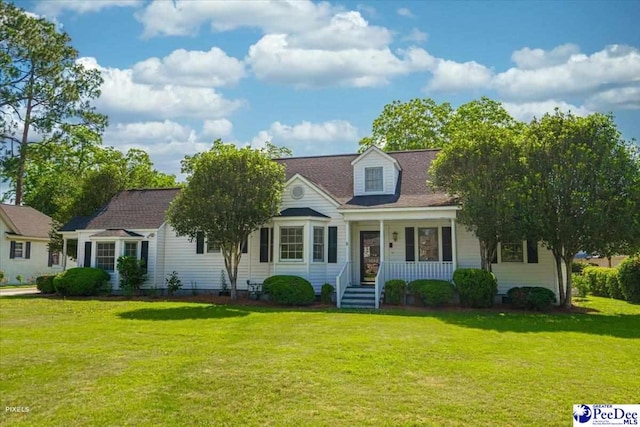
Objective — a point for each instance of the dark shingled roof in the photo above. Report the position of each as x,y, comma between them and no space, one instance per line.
302,212
26,221
334,175
128,209
116,233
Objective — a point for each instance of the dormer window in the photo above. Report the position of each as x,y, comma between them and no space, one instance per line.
373,179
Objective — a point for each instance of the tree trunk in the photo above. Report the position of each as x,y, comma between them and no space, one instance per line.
609,259
561,289
22,157
568,296
485,256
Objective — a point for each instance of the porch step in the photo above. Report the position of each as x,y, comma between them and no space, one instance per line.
359,297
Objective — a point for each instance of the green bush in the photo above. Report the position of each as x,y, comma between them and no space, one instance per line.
45,284
612,283
132,274
532,298
577,267
476,288
289,290
395,291
81,281
433,293
581,284
173,282
326,293
596,281
629,278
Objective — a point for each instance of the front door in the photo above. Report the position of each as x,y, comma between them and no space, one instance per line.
369,256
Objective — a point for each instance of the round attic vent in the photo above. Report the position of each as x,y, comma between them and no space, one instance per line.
297,192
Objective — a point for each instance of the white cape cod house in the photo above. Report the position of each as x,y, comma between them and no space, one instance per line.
354,221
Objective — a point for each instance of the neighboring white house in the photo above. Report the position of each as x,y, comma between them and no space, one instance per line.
348,220
23,251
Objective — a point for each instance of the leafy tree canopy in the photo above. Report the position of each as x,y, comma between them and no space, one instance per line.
230,192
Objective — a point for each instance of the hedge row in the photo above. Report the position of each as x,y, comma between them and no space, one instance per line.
622,282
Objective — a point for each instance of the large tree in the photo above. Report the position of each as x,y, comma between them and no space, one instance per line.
584,182
481,166
44,92
230,192
411,125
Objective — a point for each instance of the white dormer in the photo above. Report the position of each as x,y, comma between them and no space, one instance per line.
374,172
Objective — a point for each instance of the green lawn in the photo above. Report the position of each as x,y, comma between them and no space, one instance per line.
89,362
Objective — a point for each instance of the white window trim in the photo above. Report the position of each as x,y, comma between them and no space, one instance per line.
373,191
291,260
417,243
115,251
324,244
124,248
23,248
525,259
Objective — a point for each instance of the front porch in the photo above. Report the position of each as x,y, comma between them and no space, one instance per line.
414,245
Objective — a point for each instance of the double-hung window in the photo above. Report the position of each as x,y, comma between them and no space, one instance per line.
373,179
318,244
131,249
291,243
512,252
106,255
428,244
18,251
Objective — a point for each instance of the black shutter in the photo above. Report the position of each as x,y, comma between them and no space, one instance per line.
447,250
12,249
409,244
199,242
87,254
144,255
27,252
245,245
494,260
332,257
264,245
532,252
50,259
271,244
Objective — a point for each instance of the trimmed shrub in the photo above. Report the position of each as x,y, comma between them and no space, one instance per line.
476,288
132,274
581,284
289,290
433,293
81,281
532,298
596,281
326,293
610,277
577,267
45,284
395,291
629,278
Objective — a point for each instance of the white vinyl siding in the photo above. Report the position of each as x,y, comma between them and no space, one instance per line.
374,161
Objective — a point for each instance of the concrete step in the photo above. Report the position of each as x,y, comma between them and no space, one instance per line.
358,305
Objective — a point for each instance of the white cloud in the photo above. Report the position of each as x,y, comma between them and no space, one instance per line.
190,68
274,60
416,36
307,138
580,74
533,59
55,8
122,97
450,76
624,98
345,30
403,11
185,17
525,111
220,128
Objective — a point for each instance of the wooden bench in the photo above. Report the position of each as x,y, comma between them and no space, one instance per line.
255,290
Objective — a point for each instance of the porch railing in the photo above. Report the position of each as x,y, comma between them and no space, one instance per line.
342,281
410,271
380,280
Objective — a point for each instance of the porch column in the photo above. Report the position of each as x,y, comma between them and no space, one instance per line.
63,255
348,240
382,244
454,245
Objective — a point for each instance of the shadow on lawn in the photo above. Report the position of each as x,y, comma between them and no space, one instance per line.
182,313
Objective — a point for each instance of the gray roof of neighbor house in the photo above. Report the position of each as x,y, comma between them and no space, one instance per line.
128,209
26,221
334,175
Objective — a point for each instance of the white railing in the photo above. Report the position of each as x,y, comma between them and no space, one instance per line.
410,271
342,281
380,280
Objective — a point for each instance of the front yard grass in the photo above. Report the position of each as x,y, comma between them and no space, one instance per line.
153,363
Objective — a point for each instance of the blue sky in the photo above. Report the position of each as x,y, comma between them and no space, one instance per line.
313,76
